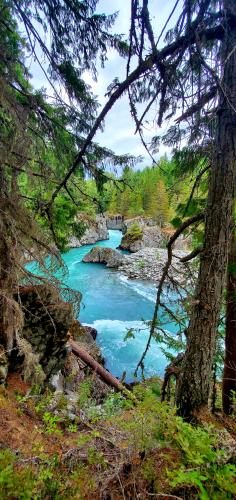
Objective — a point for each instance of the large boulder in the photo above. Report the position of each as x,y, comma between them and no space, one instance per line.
96,231
102,255
83,333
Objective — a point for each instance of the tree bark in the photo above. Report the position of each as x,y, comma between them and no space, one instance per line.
194,382
6,275
229,377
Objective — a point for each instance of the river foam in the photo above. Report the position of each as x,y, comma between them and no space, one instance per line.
144,289
123,355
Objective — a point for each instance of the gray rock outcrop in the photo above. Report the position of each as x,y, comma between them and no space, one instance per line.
96,231
115,222
151,237
141,221
128,243
102,255
154,237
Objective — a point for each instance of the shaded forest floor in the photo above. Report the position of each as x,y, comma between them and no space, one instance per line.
113,450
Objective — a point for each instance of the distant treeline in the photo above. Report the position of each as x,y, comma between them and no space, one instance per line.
155,192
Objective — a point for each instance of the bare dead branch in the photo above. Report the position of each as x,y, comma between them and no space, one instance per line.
192,255
198,105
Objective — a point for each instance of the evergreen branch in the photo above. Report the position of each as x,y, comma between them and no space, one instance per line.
182,43
196,182
138,126
167,21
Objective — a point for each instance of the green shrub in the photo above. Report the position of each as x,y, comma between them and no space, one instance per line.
152,425
140,264
134,232
14,484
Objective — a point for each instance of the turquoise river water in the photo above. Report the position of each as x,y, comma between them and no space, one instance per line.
113,304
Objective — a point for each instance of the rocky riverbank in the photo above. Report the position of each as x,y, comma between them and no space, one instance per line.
148,264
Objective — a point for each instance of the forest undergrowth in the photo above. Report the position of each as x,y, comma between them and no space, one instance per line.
111,449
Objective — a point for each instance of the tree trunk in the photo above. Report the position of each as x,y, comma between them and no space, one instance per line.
10,313
194,382
6,275
102,372
229,377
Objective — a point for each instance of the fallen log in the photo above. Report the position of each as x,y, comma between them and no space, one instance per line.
102,372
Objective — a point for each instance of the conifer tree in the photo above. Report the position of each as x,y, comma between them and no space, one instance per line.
159,204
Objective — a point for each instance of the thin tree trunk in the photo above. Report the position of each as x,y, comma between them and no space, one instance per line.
194,382
229,377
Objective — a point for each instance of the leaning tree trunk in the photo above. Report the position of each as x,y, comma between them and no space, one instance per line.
229,377
194,382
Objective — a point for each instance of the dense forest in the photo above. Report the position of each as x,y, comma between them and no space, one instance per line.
68,426
160,192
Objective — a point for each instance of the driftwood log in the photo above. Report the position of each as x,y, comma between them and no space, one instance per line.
102,372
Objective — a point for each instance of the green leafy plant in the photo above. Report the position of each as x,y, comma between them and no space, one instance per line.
115,403
43,401
95,457
72,428
51,422
84,396
140,264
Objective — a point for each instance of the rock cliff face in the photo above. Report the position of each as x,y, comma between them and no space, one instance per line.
108,256
141,221
44,335
86,336
96,231
75,371
153,236
115,222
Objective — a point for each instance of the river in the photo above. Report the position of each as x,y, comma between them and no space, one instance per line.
113,304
